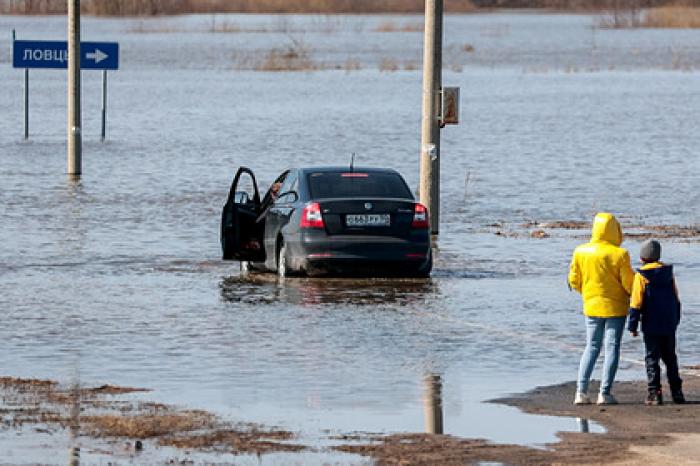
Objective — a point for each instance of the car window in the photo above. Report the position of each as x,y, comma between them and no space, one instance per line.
289,185
357,184
245,190
289,182
269,199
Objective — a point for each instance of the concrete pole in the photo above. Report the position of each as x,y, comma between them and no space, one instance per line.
74,120
432,405
430,132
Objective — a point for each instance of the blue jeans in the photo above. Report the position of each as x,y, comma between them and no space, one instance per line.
599,330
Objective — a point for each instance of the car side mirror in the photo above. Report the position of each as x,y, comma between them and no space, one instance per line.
288,197
241,197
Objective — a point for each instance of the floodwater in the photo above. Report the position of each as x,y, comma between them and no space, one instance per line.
117,278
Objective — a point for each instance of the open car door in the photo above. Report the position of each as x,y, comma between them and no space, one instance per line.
241,232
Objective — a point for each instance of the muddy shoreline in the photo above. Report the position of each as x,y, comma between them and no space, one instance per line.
102,413
636,433
580,229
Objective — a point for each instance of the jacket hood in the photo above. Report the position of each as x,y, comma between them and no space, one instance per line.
606,228
657,274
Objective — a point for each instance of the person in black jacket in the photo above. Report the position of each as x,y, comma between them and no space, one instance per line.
655,299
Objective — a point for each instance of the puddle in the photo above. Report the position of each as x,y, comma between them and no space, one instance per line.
468,418
503,424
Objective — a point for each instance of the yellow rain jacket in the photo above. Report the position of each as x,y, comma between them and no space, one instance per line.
601,270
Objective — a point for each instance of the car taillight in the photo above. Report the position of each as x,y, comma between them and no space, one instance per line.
311,216
420,217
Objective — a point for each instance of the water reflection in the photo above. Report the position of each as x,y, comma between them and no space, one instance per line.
432,404
583,426
74,426
267,289
72,236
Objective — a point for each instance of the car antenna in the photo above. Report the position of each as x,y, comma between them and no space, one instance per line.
352,162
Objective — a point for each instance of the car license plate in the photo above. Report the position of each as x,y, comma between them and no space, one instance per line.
368,220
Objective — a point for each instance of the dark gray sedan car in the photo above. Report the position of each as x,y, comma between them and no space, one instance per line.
329,220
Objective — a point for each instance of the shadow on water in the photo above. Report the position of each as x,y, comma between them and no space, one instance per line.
256,288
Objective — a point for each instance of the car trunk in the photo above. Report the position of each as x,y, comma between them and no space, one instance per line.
370,216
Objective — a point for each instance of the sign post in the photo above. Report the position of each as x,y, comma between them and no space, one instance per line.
26,103
47,54
104,105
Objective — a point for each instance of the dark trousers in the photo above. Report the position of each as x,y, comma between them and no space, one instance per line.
664,347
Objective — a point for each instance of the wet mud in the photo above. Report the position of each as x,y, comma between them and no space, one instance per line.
99,413
581,230
631,426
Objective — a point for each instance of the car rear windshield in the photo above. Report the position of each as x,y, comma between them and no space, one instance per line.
357,184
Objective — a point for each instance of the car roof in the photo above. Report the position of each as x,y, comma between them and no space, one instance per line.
346,169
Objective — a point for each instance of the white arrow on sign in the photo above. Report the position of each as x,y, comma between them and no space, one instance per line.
98,55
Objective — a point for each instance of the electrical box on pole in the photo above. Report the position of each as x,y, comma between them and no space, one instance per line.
449,109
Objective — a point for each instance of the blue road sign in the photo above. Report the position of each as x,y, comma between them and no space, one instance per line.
54,54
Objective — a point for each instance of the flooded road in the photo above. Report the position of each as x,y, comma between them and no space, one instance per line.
117,278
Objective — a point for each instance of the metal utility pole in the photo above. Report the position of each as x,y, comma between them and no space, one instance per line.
26,88
74,120
430,134
26,103
104,105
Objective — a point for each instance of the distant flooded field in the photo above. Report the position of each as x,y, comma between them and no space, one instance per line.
117,279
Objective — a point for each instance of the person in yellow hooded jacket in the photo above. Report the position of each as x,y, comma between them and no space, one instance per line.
602,272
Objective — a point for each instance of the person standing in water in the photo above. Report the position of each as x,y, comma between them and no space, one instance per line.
602,272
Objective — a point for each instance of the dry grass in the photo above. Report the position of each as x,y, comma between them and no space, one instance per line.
352,64
252,441
22,385
388,64
619,19
682,17
282,26
145,426
391,26
295,57
160,7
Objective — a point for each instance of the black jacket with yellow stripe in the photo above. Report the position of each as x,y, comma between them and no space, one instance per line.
654,298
